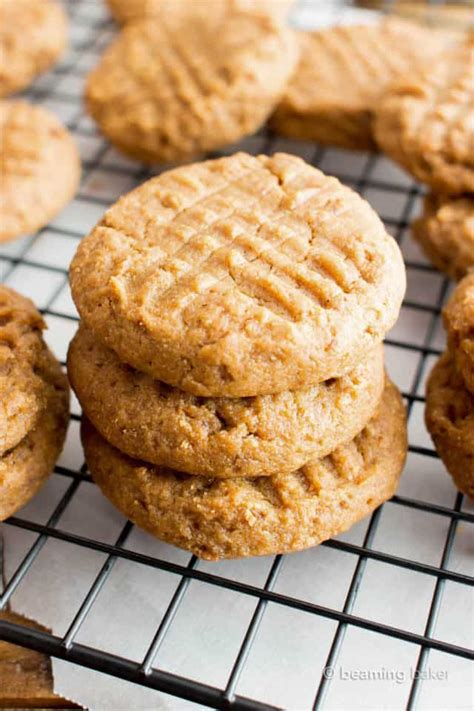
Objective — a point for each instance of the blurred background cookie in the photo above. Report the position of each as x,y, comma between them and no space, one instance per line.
168,90
445,232
39,168
33,36
342,73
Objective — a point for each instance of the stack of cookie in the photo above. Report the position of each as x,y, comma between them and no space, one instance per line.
229,359
450,390
34,403
425,124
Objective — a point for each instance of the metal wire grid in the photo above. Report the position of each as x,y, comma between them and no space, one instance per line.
94,32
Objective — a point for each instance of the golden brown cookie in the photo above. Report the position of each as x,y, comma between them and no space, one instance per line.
33,35
22,377
424,122
25,468
341,76
219,437
445,232
233,518
240,276
458,318
39,168
450,421
165,91
128,10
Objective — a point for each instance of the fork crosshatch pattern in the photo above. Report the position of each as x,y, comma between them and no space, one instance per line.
393,595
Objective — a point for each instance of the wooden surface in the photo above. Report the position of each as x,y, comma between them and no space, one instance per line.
26,679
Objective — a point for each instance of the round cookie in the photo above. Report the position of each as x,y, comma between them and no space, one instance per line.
128,10
458,318
450,420
25,468
33,35
240,276
22,382
39,168
341,76
219,437
445,232
424,123
232,518
169,90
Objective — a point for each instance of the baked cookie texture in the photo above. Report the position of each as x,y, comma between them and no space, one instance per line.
168,90
226,437
445,231
25,468
450,420
231,518
39,168
424,122
240,276
23,387
341,76
128,10
458,318
33,36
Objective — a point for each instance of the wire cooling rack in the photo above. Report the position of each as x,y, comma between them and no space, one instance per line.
296,631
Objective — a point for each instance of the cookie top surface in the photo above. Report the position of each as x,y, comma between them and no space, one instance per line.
22,382
129,10
39,168
341,75
25,468
425,121
450,420
167,90
240,276
446,233
459,322
230,518
33,35
221,437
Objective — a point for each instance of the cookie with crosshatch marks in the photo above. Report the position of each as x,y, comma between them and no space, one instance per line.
424,123
129,10
450,420
170,90
232,518
445,232
240,276
33,35
25,468
341,76
458,316
39,168
219,437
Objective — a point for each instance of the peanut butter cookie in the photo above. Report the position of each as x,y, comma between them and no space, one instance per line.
459,322
128,10
450,421
342,73
25,468
240,276
39,168
232,518
424,123
22,381
445,232
33,35
168,90
220,437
